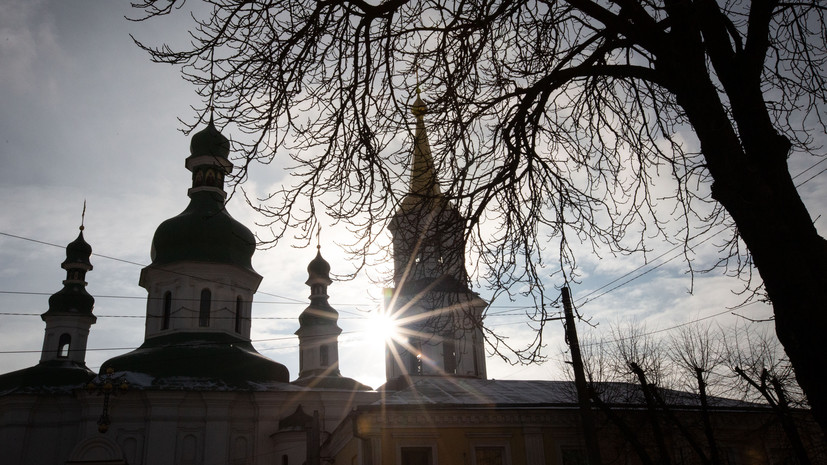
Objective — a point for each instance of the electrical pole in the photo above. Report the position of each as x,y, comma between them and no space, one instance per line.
589,432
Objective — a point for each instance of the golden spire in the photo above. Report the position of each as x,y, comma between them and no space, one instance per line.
423,174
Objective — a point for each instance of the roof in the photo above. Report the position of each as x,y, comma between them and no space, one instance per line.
199,361
52,377
474,392
337,382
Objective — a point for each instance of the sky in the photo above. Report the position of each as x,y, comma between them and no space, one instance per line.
85,116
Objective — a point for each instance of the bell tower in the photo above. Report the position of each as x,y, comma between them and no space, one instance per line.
432,303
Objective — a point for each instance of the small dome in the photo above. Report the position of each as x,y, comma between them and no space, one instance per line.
73,298
78,253
318,313
319,266
209,142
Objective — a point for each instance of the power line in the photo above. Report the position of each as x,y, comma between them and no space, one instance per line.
811,167
810,178
139,264
670,328
205,343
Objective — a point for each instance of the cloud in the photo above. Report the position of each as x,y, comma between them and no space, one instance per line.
28,41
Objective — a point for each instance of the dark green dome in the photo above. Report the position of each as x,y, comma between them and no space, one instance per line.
318,313
319,266
78,253
204,232
175,361
73,298
209,142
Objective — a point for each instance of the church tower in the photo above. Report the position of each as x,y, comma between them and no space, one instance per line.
70,311
318,328
319,334
200,285
62,365
441,318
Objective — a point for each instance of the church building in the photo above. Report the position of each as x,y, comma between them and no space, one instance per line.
196,391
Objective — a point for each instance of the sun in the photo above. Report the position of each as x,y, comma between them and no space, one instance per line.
381,327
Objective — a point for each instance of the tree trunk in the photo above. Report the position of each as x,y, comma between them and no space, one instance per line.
708,432
651,409
758,192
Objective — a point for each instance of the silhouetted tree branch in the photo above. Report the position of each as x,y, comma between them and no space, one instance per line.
600,120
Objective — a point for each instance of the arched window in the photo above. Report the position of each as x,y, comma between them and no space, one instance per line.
238,303
204,313
167,310
324,359
449,356
63,345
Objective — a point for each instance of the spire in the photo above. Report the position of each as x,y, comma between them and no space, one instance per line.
423,174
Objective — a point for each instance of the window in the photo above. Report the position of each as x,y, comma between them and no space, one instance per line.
475,355
204,314
419,455
63,345
238,303
324,359
167,310
415,358
449,356
489,455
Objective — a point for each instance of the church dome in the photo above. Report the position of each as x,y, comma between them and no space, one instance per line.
204,232
319,266
213,361
73,298
78,253
209,142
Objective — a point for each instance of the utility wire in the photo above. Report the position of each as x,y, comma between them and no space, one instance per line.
139,264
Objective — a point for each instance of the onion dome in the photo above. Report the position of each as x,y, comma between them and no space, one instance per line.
319,312
318,268
77,254
209,142
73,298
204,232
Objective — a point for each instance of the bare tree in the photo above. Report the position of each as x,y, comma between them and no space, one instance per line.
632,370
564,118
707,363
761,371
